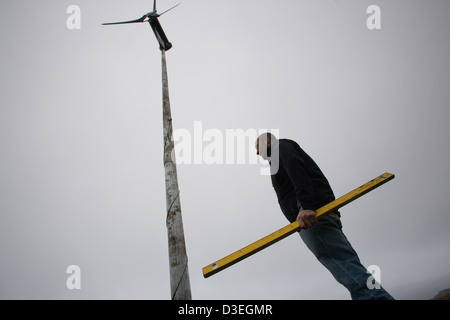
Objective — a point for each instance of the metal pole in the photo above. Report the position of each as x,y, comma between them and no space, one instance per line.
179,274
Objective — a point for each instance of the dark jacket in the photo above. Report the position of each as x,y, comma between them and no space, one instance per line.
299,182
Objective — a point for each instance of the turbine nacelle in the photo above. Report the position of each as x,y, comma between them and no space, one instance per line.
152,19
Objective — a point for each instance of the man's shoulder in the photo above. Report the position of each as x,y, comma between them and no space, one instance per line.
288,149
287,144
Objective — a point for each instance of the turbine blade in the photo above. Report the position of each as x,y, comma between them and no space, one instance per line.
169,9
141,19
154,6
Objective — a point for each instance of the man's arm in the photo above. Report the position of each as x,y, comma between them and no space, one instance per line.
298,175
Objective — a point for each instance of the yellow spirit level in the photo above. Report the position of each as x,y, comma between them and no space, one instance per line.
282,233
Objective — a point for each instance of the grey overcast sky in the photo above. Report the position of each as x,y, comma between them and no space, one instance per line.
81,171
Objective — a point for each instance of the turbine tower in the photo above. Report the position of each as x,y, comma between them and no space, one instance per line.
178,261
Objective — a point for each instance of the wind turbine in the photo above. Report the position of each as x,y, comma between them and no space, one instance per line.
178,262
152,19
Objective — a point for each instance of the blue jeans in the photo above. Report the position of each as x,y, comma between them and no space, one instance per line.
330,246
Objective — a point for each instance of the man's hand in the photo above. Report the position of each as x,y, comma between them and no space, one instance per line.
306,218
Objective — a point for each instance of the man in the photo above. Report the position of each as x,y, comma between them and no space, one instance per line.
302,188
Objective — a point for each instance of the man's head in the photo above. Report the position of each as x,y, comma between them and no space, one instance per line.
263,145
